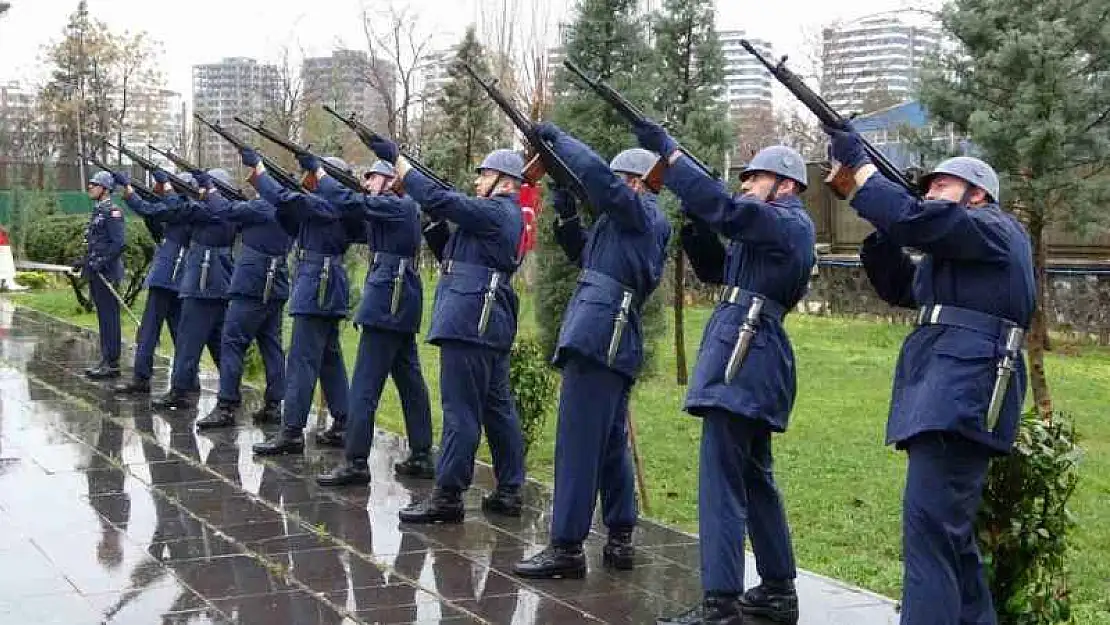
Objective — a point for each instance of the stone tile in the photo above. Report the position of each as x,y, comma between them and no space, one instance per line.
525,607
282,608
54,609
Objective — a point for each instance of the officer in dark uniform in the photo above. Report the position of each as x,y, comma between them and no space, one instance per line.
259,288
744,380
389,317
163,306
204,283
103,268
600,351
960,378
319,301
474,324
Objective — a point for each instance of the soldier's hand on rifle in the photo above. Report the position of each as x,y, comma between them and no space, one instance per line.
308,163
564,203
249,157
548,131
122,178
846,147
384,149
77,267
653,137
204,181
160,176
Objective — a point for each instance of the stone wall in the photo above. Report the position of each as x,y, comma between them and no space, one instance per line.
1079,295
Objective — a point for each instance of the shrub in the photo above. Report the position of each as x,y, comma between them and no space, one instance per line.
1024,523
33,279
533,382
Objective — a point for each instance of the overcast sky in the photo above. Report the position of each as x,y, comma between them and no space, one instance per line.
204,31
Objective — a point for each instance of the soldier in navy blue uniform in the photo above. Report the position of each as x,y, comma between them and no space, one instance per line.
473,324
206,275
953,407
258,291
389,318
318,302
600,352
744,382
103,268
163,307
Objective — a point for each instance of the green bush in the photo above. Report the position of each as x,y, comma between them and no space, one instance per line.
60,240
534,382
33,279
253,368
1024,523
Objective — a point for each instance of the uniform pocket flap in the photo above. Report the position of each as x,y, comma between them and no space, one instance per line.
965,345
466,285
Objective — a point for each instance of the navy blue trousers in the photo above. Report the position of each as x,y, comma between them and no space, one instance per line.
107,318
737,496
248,319
162,307
382,353
314,354
201,324
943,581
591,452
474,385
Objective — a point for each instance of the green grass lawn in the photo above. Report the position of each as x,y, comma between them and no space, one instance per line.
842,486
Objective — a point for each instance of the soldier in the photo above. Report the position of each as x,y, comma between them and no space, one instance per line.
204,281
953,405
600,351
319,301
474,324
259,288
389,317
163,307
103,268
744,382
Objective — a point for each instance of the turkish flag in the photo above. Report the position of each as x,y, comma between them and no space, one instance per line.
531,202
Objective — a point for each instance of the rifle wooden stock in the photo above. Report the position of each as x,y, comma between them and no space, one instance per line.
634,117
828,116
534,171
654,178
279,174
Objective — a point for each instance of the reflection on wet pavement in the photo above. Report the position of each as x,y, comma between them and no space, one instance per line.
113,513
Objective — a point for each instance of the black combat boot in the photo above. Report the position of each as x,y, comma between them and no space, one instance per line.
419,464
222,416
555,561
175,399
98,365
774,600
713,610
105,371
137,386
270,412
619,553
503,501
443,506
281,443
347,474
333,436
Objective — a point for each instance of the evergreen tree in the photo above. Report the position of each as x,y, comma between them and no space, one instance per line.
607,40
689,68
1030,85
467,125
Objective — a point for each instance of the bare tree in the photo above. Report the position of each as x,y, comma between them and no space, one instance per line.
398,51
136,74
281,107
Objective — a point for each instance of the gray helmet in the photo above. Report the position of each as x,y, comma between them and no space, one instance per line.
339,163
635,161
104,179
221,175
382,168
969,169
187,177
505,161
781,161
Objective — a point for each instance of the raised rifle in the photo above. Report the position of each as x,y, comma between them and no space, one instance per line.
367,136
342,177
178,184
279,174
225,189
635,117
144,191
543,159
841,180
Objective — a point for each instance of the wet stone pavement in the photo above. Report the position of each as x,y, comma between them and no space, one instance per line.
113,513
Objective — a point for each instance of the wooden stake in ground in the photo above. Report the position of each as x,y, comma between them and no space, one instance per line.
636,461
321,415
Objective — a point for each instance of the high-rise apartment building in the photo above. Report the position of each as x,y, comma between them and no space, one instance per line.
747,83
234,86
350,81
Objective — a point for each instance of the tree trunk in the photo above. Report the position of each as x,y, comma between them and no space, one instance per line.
1038,330
679,317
